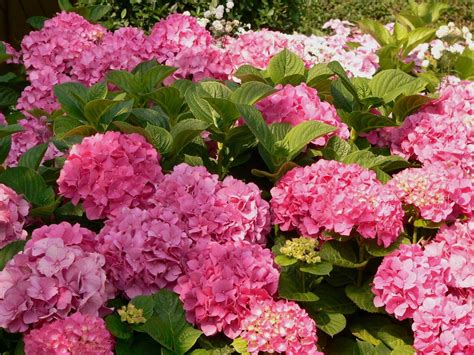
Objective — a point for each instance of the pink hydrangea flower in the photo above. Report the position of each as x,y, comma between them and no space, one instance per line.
13,213
406,278
57,274
107,172
15,56
439,191
217,277
279,326
297,104
210,209
144,252
76,334
329,195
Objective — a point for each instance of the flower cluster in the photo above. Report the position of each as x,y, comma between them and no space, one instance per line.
205,207
281,327
296,104
329,195
439,191
302,248
433,286
216,279
77,334
57,274
13,212
143,252
107,172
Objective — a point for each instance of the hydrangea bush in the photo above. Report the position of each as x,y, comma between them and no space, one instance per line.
185,193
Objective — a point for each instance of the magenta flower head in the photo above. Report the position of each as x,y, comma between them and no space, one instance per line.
107,172
13,213
76,334
217,277
57,274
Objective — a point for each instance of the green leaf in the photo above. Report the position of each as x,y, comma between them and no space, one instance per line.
200,108
240,345
117,328
321,268
37,22
33,157
123,80
363,158
286,67
366,122
118,111
376,250
336,149
126,127
251,92
391,83
147,303
169,99
343,98
5,146
65,5
248,73
337,69
9,251
160,138
330,323
97,91
284,260
423,223
331,299
151,78
62,125
168,326
184,132
416,37
289,289
72,97
95,109
226,110
464,65
257,125
407,105
280,130
340,254
301,135
317,74
216,89
403,350
155,117
363,297
6,131
376,30
29,183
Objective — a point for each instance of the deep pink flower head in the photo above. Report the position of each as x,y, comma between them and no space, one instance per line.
439,191
76,334
445,325
280,327
405,278
144,252
177,32
208,208
296,104
57,274
13,213
329,195
15,56
217,276
107,172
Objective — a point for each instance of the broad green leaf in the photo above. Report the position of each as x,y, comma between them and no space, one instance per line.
321,268
226,110
37,22
29,183
65,5
182,85
336,149
169,99
284,260
416,37
376,250
155,116
317,74
6,131
343,99
340,254
363,297
301,135
363,158
423,223
280,129
97,91
160,138
376,30
84,130
337,69
184,132
216,89
147,303
200,108
394,335
391,83
9,251
95,109
286,67
330,323
72,97
331,299
255,122
62,125
406,105
403,350
251,92
117,328
240,345
5,146
153,77
464,65
118,111
33,157
122,79
366,122
248,73
290,289
168,326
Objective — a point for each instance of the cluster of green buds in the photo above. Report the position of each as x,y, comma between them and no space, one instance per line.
303,249
131,314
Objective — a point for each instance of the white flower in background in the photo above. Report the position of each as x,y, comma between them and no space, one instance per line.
229,5
186,13
456,48
217,25
442,32
425,63
207,14
437,49
219,12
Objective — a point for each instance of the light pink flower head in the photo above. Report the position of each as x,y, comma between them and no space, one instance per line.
207,208
57,274
13,213
297,104
144,252
280,327
76,334
217,276
107,172
333,196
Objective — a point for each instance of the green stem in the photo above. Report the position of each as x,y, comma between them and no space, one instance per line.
362,255
415,235
354,135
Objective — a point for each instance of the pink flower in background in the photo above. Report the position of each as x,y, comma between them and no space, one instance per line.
440,191
297,104
217,275
143,251
15,55
57,274
207,208
13,213
329,195
76,334
107,172
279,326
